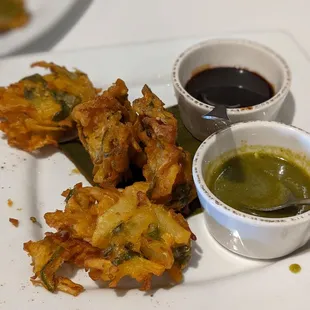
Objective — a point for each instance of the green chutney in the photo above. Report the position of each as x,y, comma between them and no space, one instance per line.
258,179
295,268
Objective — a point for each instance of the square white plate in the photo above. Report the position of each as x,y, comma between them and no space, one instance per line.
216,278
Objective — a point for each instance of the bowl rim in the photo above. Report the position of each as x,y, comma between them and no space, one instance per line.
283,91
226,209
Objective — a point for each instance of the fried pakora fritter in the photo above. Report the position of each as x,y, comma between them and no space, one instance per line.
105,126
49,254
36,111
167,167
121,234
13,14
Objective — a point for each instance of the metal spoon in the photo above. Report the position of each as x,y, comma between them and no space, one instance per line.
291,203
217,118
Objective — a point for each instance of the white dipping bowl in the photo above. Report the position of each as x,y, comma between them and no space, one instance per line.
229,53
244,234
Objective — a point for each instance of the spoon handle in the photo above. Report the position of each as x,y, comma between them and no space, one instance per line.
296,203
219,111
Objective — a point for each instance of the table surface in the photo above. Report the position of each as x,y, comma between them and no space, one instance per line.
93,23
107,22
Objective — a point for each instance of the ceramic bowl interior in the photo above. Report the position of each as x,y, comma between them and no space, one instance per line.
232,53
256,133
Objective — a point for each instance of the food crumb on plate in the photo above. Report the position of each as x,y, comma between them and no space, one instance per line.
15,222
10,202
34,220
295,268
75,171
19,209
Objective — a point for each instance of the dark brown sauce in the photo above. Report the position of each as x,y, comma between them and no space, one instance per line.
232,87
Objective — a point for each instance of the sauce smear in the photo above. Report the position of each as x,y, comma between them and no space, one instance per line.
295,268
231,87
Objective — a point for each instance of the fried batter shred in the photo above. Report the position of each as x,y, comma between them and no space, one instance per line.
112,234
49,254
36,111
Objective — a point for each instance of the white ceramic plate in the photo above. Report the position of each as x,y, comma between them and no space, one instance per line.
216,278
44,15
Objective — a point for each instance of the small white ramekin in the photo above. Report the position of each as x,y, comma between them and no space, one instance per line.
247,235
229,53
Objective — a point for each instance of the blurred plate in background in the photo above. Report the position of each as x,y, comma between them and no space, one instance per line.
45,15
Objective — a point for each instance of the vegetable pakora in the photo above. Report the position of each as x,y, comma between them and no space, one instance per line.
112,233
116,134
168,167
105,126
36,111
13,14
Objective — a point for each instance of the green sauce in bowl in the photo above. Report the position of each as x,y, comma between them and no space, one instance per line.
258,179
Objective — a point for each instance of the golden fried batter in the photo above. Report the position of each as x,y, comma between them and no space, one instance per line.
83,206
121,234
13,14
168,170
105,127
157,123
119,91
36,110
167,167
49,254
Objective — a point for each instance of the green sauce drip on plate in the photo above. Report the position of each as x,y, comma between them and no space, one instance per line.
295,268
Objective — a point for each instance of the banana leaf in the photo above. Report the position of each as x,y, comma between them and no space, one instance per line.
185,138
80,158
